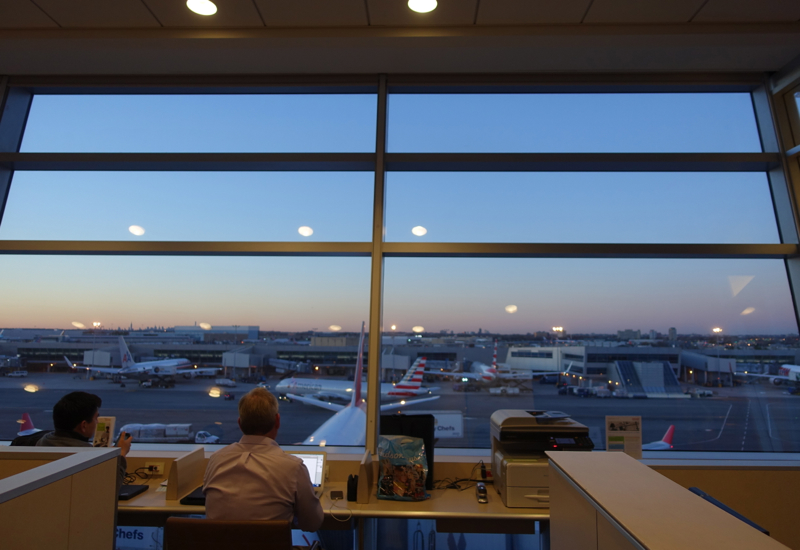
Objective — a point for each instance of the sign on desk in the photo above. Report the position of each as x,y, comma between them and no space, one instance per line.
447,424
624,434
137,538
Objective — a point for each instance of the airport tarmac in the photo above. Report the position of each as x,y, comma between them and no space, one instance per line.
754,417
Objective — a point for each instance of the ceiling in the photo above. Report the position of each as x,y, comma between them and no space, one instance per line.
384,36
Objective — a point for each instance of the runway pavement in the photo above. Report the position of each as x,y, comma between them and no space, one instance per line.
758,417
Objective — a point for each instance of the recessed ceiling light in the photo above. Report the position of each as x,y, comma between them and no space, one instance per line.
202,7
422,6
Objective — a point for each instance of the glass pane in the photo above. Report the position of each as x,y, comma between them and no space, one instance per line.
189,206
609,311
572,123
591,207
262,312
201,123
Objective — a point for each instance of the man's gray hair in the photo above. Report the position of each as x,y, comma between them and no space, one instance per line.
257,411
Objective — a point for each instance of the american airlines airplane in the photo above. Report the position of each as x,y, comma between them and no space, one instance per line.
163,369
488,374
327,390
348,425
665,444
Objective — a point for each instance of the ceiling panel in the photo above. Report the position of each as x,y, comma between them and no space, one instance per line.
638,11
531,12
750,11
396,13
313,13
19,14
99,13
230,13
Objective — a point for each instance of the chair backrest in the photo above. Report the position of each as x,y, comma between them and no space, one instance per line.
207,534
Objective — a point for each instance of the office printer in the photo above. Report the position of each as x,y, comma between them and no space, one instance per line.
519,440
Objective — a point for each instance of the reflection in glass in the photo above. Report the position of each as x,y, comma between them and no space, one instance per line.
572,123
626,328
590,207
189,206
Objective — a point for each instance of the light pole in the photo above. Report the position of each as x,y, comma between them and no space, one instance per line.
718,332
96,326
557,331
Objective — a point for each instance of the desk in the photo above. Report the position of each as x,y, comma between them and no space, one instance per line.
454,511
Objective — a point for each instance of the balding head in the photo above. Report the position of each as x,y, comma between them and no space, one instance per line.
258,412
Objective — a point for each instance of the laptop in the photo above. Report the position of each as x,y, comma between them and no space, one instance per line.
127,492
315,462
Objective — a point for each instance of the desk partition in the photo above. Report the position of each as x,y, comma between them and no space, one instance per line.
59,500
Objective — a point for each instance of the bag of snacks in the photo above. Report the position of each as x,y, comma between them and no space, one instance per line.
403,468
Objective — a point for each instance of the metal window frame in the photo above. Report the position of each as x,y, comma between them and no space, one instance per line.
775,123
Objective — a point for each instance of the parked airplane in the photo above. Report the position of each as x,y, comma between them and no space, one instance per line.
786,373
327,390
348,425
488,374
664,444
163,369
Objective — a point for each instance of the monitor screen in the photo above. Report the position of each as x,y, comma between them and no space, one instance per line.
314,464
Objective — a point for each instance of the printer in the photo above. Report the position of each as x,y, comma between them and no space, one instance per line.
519,440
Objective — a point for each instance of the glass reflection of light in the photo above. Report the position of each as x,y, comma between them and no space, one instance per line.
32,388
214,392
202,7
511,308
394,327
305,231
78,324
205,326
422,6
335,328
136,230
419,231
748,311
418,329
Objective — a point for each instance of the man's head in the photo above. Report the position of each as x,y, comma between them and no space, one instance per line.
258,413
77,412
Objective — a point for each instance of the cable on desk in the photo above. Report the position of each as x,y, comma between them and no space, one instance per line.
141,473
349,512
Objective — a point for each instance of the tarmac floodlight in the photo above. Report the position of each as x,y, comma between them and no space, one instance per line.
202,7
422,6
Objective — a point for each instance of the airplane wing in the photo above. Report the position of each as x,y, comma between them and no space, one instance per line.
316,402
93,369
405,403
470,375
515,375
195,372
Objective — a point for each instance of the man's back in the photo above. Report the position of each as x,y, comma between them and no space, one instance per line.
255,480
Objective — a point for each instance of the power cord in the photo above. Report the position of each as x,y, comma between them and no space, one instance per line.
334,505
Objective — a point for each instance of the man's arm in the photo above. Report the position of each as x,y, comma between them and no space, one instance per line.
307,508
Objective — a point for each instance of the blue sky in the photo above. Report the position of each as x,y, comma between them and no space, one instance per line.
439,294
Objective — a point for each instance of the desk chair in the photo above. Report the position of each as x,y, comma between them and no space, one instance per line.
207,534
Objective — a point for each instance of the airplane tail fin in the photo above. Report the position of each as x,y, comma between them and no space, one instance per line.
413,377
125,355
356,401
27,425
69,363
668,436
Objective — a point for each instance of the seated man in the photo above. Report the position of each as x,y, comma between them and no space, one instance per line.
75,421
254,479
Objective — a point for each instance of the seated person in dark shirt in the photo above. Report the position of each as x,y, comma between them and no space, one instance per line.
75,421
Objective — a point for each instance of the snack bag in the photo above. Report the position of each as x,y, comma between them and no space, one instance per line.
403,468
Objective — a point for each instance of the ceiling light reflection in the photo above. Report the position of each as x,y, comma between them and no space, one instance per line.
205,326
214,392
78,324
334,328
511,308
418,329
136,230
419,231
32,388
305,231
748,311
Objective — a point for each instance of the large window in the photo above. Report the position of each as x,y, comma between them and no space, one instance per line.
535,248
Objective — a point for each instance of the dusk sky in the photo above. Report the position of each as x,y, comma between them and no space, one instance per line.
603,296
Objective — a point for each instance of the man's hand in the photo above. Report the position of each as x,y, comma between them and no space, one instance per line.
124,443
